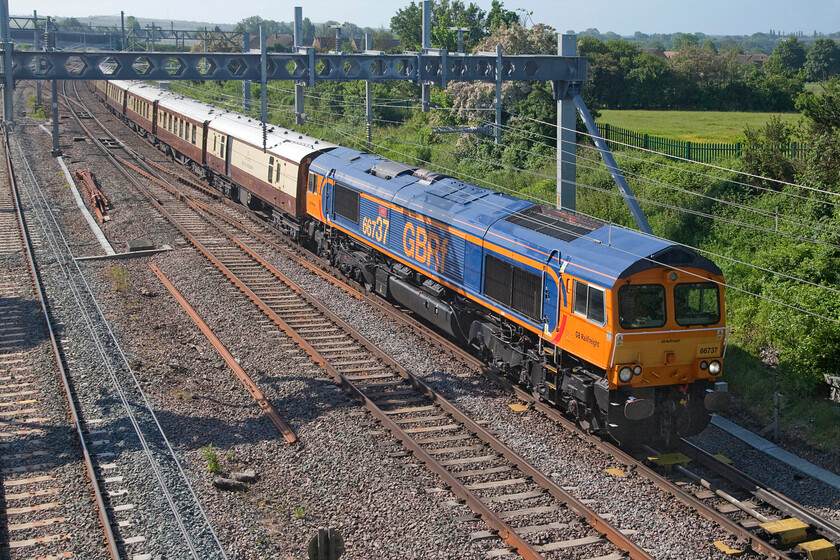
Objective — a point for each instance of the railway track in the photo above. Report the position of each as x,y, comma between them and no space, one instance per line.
529,512
37,491
149,503
367,373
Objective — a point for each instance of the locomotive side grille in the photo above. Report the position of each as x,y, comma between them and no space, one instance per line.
525,296
512,286
347,203
497,278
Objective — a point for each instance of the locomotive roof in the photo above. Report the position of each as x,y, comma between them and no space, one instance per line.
594,251
288,144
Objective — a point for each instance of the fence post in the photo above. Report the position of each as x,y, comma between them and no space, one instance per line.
606,131
737,149
688,150
645,142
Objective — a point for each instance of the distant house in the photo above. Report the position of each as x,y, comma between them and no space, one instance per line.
324,43
757,59
658,53
282,38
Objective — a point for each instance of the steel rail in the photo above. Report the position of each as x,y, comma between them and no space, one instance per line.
758,544
760,490
154,465
110,539
505,531
252,388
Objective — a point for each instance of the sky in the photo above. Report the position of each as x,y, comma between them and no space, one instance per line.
625,17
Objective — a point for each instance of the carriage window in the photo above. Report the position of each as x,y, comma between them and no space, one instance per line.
214,143
641,306
590,302
222,147
697,303
271,169
193,134
312,184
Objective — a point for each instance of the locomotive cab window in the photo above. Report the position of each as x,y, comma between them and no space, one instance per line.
313,185
641,306
512,286
590,302
697,303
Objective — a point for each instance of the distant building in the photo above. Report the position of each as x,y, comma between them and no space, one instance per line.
757,59
324,43
658,53
282,38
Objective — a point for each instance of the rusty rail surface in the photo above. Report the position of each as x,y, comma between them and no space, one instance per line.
97,200
575,508
255,392
110,539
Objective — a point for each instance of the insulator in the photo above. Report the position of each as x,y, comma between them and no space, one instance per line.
49,39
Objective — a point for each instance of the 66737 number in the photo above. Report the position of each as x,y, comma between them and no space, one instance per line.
376,228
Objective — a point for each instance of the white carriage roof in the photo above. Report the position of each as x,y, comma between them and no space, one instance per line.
285,143
190,108
146,91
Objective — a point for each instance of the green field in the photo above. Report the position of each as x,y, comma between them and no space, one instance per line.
694,126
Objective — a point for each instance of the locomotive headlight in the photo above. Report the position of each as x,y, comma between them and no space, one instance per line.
637,370
704,365
625,374
714,367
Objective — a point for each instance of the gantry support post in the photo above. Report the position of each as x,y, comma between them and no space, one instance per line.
566,135
612,166
246,84
9,82
498,129
263,80
368,95
298,85
427,44
35,41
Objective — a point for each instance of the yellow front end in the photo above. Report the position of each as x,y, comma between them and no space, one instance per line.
670,329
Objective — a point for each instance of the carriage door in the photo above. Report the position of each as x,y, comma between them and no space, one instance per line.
551,296
226,149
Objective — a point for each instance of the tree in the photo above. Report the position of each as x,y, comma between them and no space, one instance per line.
823,110
408,24
215,43
498,16
132,23
822,60
72,24
252,26
788,58
683,40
